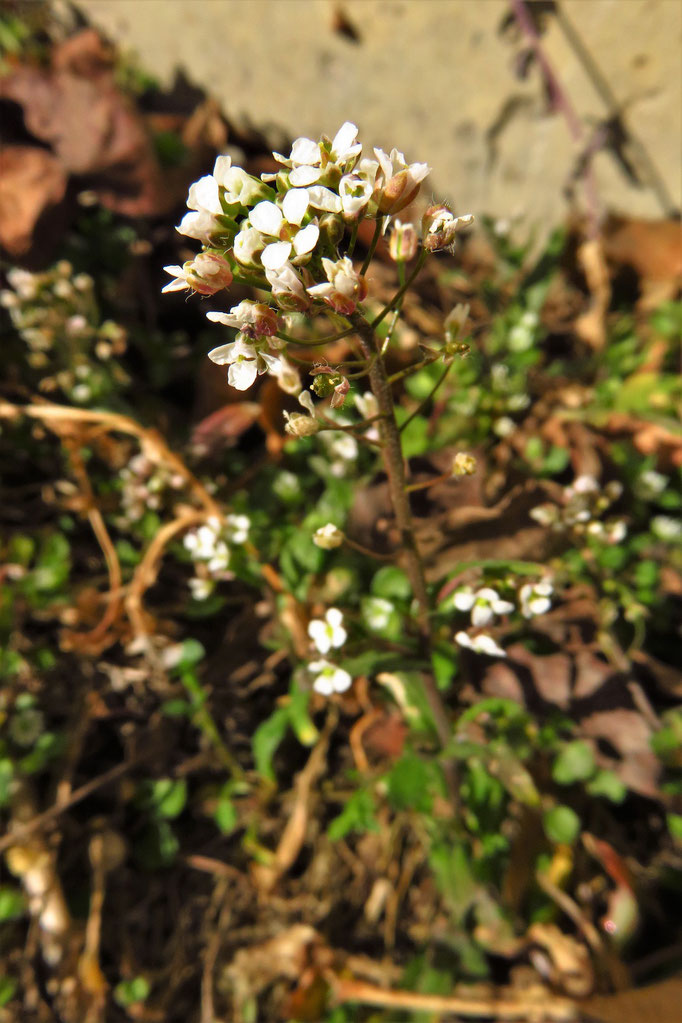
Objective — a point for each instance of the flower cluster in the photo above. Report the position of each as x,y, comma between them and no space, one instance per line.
584,503
281,233
144,484
328,634
56,315
486,604
210,548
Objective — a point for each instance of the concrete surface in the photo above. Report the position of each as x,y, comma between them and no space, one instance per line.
436,79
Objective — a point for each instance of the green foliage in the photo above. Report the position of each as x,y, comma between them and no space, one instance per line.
359,814
132,992
561,824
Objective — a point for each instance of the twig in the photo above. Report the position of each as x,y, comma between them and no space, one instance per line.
545,1007
564,104
24,831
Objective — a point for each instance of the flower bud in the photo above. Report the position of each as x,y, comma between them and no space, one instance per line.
402,243
463,464
439,227
328,537
300,425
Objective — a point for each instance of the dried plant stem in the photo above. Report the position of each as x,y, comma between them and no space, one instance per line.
394,463
545,1007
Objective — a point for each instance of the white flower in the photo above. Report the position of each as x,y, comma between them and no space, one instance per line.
665,527
287,288
328,537
200,225
272,222
207,273
330,678
328,632
241,357
377,612
284,373
238,528
535,598
345,287
480,644
397,182
484,604
201,542
255,319
651,483
201,589
583,485
306,156
355,193
440,226
616,531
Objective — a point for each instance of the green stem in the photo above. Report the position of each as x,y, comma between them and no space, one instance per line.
427,399
401,291
395,470
373,245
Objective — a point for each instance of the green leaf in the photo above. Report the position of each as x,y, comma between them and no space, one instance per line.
392,583
166,796
575,762
191,653
157,845
267,738
8,986
12,903
444,663
359,814
301,722
6,775
225,814
674,822
609,785
132,992
409,784
561,824
176,708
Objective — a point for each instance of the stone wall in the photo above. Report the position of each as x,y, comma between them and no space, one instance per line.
436,79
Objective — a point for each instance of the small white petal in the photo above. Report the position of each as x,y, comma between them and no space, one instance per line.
221,318
463,601
295,204
324,199
481,614
305,151
306,240
203,195
224,354
302,176
266,217
242,374
463,639
221,167
275,256
344,139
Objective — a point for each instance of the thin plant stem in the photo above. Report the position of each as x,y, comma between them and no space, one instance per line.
373,245
395,470
427,399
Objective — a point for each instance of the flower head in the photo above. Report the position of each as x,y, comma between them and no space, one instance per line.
397,182
329,678
345,287
328,537
328,632
440,225
481,644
